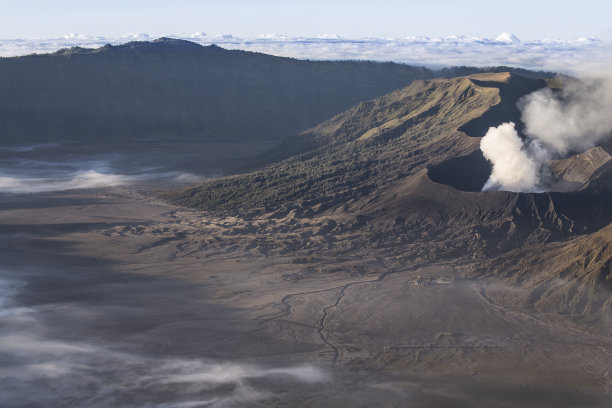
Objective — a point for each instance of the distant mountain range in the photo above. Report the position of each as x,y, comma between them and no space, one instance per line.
172,89
505,49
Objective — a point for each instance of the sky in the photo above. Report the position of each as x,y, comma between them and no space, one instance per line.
563,36
528,20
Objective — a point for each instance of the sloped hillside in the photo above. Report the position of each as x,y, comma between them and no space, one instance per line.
174,90
578,171
574,276
370,145
397,175
399,169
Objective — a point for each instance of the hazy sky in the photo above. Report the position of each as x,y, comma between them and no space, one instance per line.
528,20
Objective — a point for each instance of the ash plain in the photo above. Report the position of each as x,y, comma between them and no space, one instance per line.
112,297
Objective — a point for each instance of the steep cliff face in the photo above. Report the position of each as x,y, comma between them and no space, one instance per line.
573,277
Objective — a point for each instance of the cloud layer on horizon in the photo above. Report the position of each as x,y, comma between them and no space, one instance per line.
506,49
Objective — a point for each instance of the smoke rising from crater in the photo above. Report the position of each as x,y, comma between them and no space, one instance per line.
514,168
557,123
575,120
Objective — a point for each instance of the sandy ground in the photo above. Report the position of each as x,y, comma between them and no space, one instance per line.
122,300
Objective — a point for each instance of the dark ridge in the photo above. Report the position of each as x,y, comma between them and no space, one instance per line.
370,145
171,89
607,144
601,182
465,71
466,173
507,110
563,213
160,45
167,45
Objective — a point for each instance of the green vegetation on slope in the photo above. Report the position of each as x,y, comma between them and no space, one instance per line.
372,144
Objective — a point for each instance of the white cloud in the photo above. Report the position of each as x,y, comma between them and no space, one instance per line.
506,49
80,180
514,166
19,176
576,121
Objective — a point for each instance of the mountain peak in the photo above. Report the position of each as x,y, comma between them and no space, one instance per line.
161,44
174,42
507,38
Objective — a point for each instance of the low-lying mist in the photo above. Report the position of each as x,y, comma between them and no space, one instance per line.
65,166
53,167
78,180
39,370
85,179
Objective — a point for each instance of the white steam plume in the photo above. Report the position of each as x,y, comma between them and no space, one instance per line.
576,120
569,121
514,167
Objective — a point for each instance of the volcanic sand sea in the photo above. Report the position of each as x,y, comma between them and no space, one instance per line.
111,297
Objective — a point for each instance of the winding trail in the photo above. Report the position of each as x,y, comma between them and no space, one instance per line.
321,324
321,328
325,315
288,307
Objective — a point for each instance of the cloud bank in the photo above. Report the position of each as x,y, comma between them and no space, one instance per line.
506,49
86,179
22,175
79,180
